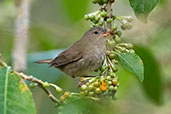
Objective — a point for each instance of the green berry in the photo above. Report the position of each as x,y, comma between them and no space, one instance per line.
83,87
109,78
115,88
123,27
109,83
32,85
114,82
91,26
128,26
46,84
103,68
91,93
129,46
100,23
92,17
112,74
117,39
114,27
62,98
103,14
58,90
82,92
114,68
86,92
96,84
109,20
86,17
119,33
90,87
112,56
87,83
98,91
66,94
111,43
94,21
111,88
129,19
102,78
97,18
105,1
131,51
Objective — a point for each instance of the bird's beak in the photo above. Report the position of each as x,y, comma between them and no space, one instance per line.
106,34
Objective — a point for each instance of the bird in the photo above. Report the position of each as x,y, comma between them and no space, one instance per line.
84,56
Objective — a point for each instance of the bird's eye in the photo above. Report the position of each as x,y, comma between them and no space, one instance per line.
96,32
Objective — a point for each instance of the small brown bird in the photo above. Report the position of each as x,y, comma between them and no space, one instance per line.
84,56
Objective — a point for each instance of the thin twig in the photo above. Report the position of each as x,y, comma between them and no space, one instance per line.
40,83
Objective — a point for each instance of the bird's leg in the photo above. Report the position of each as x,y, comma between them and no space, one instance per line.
78,81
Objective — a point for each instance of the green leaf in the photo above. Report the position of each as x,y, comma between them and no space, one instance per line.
152,77
142,8
76,9
15,97
133,63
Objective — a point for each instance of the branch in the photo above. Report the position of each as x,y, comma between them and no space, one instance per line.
21,34
109,13
40,84
33,79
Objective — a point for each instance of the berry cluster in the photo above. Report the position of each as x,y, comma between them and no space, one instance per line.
107,83
99,85
101,17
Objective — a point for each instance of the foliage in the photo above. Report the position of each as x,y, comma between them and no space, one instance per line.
142,8
152,77
15,96
133,63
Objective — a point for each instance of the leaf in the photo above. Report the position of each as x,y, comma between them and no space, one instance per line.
152,77
76,9
142,8
133,63
15,97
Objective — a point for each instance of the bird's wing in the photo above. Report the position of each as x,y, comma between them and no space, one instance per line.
66,57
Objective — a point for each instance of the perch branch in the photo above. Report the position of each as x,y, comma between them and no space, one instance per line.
40,84
33,79
21,34
109,13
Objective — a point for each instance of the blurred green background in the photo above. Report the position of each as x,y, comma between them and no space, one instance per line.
57,24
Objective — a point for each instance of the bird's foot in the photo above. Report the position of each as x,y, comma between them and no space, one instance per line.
80,82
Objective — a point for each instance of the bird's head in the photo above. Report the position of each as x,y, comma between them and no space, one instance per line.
95,33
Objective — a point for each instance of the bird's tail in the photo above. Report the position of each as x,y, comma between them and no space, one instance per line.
48,61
